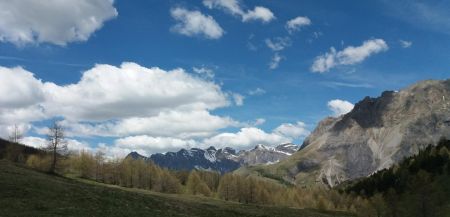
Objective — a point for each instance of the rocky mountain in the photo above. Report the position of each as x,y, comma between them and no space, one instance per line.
222,160
377,133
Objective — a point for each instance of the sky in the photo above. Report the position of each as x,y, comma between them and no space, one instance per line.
160,75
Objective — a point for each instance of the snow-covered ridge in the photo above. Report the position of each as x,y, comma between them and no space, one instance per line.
222,160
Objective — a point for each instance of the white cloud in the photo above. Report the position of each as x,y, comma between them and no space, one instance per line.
238,99
21,94
249,137
19,88
246,138
276,59
405,44
292,130
340,107
349,56
108,92
117,101
194,23
258,13
233,7
58,22
278,43
178,124
256,92
297,23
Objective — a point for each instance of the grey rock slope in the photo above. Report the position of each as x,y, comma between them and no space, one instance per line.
221,160
377,133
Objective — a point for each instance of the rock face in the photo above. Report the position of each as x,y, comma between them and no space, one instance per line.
221,160
266,155
377,133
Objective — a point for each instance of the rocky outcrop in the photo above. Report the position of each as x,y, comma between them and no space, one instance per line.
377,133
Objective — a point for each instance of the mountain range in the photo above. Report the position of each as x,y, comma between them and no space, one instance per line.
221,160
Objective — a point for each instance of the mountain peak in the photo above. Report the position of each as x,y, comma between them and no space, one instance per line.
377,133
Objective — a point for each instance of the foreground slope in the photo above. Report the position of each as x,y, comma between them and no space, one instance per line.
377,133
24,192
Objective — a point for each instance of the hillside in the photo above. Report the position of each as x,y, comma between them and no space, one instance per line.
418,185
377,133
26,192
16,152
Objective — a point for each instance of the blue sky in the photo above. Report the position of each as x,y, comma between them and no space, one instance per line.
223,49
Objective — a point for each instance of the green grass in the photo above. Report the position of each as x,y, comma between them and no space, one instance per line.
24,192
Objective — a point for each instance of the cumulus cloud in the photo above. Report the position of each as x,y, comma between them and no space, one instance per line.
21,94
117,101
348,56
19,88
109,92
258,13
297,23
194,23
340,107
292,130
234,8
57,22
405,44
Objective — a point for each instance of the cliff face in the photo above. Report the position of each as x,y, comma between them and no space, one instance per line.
377,133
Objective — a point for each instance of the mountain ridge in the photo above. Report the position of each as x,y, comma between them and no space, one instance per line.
377,133
221,160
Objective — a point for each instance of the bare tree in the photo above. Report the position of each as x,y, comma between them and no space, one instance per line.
57,145
15,135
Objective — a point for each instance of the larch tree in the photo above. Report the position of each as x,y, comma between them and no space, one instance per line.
56,144
195,185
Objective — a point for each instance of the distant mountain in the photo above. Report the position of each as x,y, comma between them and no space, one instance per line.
377,133
221,160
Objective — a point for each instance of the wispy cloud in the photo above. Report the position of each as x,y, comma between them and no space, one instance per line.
275,62
405,44
234,7
349,56
335,84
